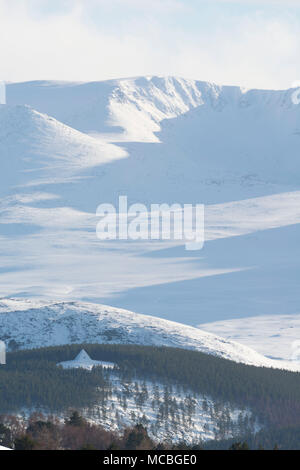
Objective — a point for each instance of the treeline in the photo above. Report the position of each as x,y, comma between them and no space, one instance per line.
75,433
31,377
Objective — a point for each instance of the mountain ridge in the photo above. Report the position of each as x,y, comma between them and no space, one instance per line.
97,106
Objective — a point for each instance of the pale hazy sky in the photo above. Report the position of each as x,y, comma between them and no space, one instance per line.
245,42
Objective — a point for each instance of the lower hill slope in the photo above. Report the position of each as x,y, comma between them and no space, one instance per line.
176,394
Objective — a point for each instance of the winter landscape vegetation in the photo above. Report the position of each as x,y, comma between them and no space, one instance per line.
147,339
65,148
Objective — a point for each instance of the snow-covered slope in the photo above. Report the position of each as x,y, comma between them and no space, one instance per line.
276,336
217,143
183,141
31,324
190,417
136,105
139,104
35,149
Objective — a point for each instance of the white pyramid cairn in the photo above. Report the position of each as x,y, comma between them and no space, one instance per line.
83,361
83,357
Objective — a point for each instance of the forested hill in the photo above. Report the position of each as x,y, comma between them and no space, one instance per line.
32,380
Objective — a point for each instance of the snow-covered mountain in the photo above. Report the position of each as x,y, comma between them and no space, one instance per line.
135,105
28,324
188,140
37,150
67,147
